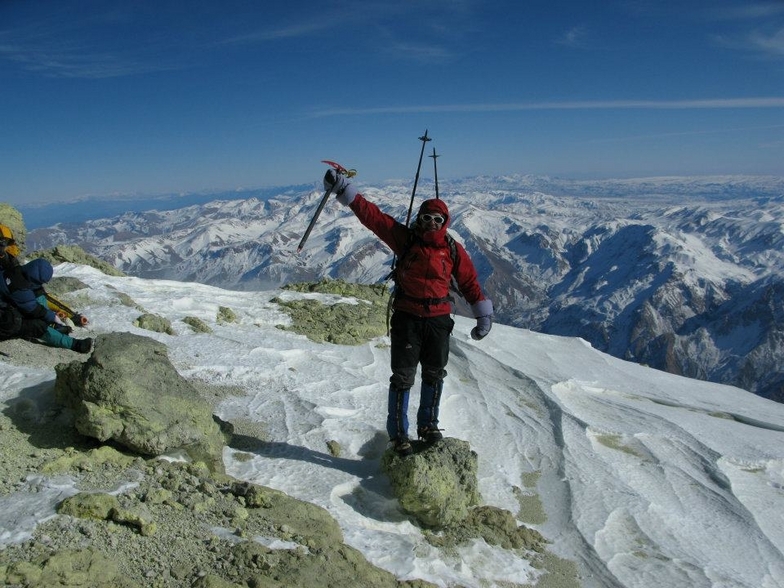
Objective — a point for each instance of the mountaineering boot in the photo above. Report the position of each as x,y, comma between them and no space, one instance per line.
427,415
428,435
82,345
402,446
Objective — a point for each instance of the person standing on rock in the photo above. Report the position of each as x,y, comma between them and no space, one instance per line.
421,322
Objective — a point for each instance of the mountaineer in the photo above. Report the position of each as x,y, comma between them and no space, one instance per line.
22,288
428,259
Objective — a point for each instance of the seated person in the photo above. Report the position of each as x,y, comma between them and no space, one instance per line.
19,285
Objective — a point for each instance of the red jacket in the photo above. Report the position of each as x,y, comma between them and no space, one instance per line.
424,273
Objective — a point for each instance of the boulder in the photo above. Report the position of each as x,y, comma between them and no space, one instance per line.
129,392
438,484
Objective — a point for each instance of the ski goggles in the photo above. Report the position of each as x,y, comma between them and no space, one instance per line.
435,218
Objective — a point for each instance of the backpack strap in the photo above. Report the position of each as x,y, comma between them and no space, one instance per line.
397,292
426,302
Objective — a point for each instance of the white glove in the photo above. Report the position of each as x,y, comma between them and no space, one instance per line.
483,312
58,320
340,185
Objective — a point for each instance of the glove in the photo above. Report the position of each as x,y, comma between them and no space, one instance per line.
483,311
59,321
64,329
339,184
80,320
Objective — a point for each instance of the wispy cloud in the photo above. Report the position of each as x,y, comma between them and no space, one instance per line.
759,27
295,31
748,11
764,43
712,103
421,52
772,43
693,133
574,37
55,46
74,63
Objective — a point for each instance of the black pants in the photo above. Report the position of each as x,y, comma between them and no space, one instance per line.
13,324
417,340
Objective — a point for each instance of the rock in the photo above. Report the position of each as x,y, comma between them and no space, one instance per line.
68,568
341,322
334,448
226,315
87,505
437,484
138,517
312,524
75,254
151,411
197,324
495,525
337,565
12,218
94,458
211,581
155,323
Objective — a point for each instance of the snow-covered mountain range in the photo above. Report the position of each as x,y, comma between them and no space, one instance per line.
681,274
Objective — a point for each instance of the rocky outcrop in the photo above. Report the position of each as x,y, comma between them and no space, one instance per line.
129,392
437,485
75,254
12,218
344,322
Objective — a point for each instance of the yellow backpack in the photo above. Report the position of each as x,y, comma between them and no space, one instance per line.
7,236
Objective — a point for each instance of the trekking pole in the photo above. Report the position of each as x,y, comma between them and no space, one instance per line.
339,169
435,171
424,138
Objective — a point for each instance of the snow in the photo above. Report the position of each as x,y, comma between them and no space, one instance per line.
645,479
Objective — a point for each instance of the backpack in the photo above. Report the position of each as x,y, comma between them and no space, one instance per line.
450,241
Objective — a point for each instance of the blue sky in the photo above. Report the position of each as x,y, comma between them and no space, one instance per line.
145,97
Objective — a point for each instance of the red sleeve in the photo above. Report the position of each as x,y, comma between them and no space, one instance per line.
466,276
386,228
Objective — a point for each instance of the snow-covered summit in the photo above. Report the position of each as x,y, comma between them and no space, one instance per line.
639,477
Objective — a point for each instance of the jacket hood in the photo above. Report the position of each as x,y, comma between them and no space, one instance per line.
437,237
435,205
38,271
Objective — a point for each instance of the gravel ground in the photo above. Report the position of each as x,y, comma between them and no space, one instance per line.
151,523
171,525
